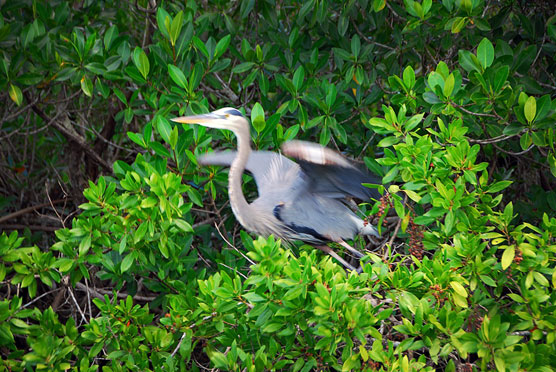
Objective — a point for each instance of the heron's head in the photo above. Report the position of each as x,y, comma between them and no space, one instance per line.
224,118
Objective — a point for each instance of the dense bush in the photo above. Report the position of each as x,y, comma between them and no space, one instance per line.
451,102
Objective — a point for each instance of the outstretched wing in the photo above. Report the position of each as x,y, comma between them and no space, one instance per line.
329,173
268,168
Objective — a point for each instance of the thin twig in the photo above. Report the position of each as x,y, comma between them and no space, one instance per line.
204,222
511,152
227,90
55,211
73,137
41,296
178,345
76,304
99,293
30,227
231,245
30,209
191,327
473,113
233,269
89,299
493,140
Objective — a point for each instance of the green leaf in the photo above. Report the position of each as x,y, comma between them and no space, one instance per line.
543,107
485,53
183,225
137,139
449,222
435,80
378,5
141,61
222,46
84,245
96,68
174,138
498,186
120,95
258,117
177,76
175,28
500,77
127,262
468,61
243,67
123,244
164,128
525,141
141,230
449,85
246,8
508,257
388,141
509,213
355,46
413,195
552,163
458,24
219,359
391,175
272,327
15,94
530,109
458,288
409,77
128,115
412,122
163,21
298,78
488,280
109,37
196,76
541,279
87,86
6,336
65,264
331,95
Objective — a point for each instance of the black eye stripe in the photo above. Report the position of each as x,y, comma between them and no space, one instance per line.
234,112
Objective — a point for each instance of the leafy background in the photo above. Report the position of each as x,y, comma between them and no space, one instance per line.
119,253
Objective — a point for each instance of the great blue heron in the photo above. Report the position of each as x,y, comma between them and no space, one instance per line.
297,201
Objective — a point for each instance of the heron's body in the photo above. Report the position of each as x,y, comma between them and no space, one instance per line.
297,201
288,205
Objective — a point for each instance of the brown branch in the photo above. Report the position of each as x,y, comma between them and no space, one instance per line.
493,140
101,144
30,209
513,153
73,137
473,113
30,227
227,90
99,293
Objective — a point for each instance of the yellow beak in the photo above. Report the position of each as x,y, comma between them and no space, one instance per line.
203,119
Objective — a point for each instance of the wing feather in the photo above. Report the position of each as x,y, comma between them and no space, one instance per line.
330,173
269,169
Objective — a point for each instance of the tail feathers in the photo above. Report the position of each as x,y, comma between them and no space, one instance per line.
368,229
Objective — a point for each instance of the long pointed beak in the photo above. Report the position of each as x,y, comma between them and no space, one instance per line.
203,119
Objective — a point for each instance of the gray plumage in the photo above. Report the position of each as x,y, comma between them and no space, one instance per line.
303,200
305,196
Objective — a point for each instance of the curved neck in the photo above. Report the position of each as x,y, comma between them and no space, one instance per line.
240,207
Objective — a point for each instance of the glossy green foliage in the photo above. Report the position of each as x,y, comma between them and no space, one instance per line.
451,102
